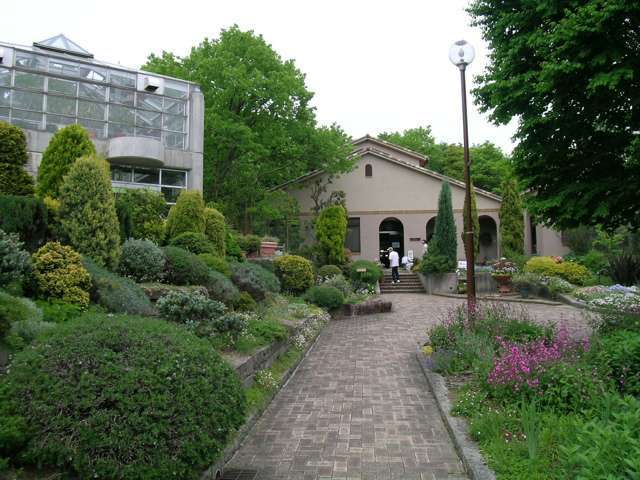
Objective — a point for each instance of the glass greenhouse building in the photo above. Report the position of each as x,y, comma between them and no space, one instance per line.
149,126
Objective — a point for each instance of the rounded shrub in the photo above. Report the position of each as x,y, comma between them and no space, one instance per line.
245,303
339,282
88,211
327,271
124,397
193,242
117,294
254,280
325,296
189,307
249,244
58,273
215,230
67,145
216,263
26,216
294,272
549,266
15,263
14,179
365,272
16,309
184,268
141,260
142,212
187,215
221,288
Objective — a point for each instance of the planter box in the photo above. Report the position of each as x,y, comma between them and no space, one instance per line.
439,282
485,283
268,249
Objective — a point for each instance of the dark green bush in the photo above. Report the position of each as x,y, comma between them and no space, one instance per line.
624,268
184,268
221,288
26,216
365,272
434,262
14,180
245,303
123,397
193,242
15,263
254,279
219,264
57,311
620,352
67,145
187,215
249,243
325,297
116,294
215,230
294,272
15,309
189,307
329,271
141,212
142,260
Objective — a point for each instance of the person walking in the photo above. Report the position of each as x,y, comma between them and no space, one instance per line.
394,261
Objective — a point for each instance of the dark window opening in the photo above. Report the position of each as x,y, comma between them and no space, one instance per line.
352,242
368,171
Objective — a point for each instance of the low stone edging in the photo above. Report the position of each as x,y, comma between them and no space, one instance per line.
215,471
468,451
367,308
501,299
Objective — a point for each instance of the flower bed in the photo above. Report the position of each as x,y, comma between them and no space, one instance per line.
616,297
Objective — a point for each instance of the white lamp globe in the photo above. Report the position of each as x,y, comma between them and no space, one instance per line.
461,53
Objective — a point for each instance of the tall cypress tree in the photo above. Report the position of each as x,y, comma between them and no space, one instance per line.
511,219
445,239
474,221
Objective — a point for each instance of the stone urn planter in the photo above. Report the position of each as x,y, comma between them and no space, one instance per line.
268,249
504,282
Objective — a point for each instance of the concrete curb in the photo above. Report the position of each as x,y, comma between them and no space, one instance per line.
502,299
469,453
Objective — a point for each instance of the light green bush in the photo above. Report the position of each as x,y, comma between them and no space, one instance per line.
215,230
58,273
88,211
249,243
331,231
570,271
16,309
14,180
325,297
365,272
294,272
329,271
67,145
216,263
187,215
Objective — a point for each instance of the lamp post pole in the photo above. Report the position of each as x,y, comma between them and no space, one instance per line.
461,54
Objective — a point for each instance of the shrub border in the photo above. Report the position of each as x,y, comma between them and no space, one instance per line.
468,451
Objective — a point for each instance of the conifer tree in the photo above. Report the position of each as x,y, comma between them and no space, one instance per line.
442,253
187,215
14,179
511,220
331,232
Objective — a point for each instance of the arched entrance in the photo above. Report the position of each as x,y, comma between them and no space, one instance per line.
488,238
392,235
431,228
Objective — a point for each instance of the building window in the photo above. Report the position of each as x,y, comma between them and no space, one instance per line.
169,182
352,242
368,171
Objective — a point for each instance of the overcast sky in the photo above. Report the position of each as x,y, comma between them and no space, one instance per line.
374,65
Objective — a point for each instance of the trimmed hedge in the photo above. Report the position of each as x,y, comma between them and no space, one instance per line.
294,272
117,294
254,280
26,216
122,397
325,296
193,242
184,268
187,215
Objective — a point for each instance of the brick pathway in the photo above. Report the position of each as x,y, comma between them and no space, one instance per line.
359,406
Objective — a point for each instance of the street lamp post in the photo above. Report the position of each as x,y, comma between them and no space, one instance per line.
462,54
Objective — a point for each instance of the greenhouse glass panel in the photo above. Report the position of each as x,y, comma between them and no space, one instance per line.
176,89
174,123
30,120
65,87
174,140
30,61
174,178
92,91
63,68
95,129
149,102
120,114
5,77
27,100
148,132
93,73
148,119
175,107
92,110
4,114
61,105
118,130
125,97
31,81
122,79
56,122
5,97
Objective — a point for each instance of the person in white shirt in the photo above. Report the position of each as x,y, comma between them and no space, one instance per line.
394,261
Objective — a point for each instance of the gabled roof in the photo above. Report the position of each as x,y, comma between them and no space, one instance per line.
390,158
62,44
368,138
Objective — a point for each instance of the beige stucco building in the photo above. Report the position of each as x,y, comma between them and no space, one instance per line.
392,200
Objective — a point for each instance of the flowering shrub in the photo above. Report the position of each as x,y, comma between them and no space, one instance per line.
504,267
615,297
265,379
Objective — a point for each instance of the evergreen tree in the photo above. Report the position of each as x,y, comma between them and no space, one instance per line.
187,215
14,180
511,219
88,211
442,254
67,145
331,232
474,221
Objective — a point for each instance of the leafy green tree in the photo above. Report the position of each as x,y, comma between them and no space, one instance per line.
568,71
67,145
331,232
187,215
88,211
14,180
445,239
474,220
511,220
260,129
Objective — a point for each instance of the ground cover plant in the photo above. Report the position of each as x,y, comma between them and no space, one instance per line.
541,403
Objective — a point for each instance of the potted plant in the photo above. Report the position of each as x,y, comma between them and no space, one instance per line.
268,246
524,283
502,271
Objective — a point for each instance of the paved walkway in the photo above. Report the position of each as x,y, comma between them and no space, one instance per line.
359,406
